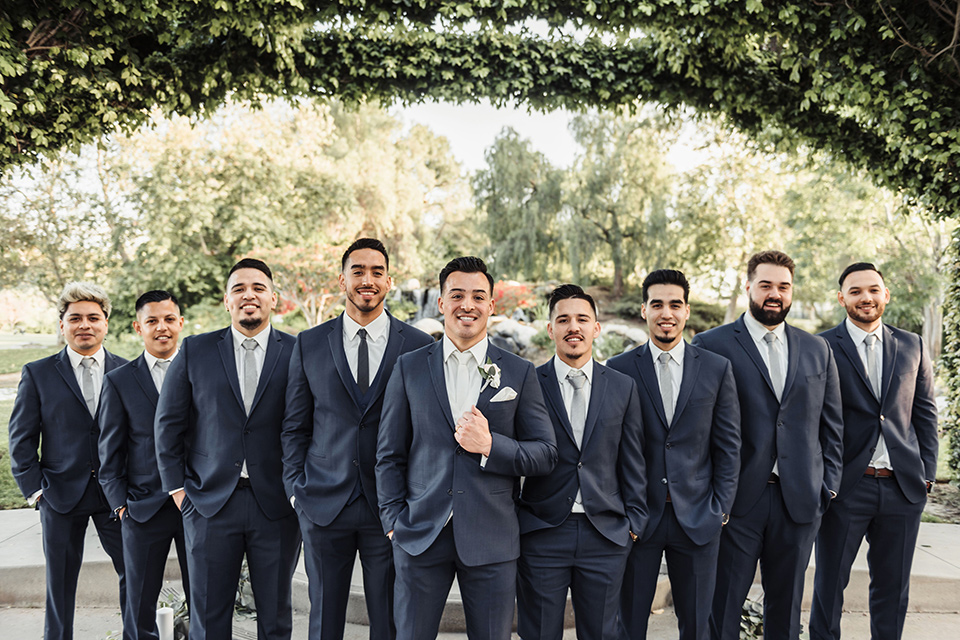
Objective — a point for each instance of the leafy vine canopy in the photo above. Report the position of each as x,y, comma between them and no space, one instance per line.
875,83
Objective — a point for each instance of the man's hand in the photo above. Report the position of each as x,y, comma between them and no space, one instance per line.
473,432
120,513
390,535
178,498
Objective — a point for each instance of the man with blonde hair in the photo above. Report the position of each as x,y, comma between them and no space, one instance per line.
56,412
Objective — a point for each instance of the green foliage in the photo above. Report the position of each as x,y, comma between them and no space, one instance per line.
628,306
751,620
949,368
608,345
542,340
704,315
12,360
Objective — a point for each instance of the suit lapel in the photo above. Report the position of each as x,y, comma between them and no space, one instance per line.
141,373
65,370
495,356
691,369
648,377
598,390
390,355
230,364
850,351
435,364
270,359
551,391
335,339
890,347
746,341
793,360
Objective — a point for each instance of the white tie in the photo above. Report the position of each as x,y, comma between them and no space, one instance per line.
464,359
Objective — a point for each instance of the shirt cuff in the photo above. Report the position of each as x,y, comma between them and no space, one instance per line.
174,491
293,501
483,461
32,500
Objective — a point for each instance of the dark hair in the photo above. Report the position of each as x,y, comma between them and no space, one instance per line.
571,291
252,263
465,264
364,243
858,266
157,295
776,258
666,276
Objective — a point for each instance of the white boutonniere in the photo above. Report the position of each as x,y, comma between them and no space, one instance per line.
490,374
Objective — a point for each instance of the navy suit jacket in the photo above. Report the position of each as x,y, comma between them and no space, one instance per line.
128,455
697,455
423,474
50,413
608,469
203,433
329,432
906,413
803,432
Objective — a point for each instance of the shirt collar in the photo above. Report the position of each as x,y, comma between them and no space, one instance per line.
563,369
757,330
376,328
151,359
76,358
262,338
858,335
478,350
676,353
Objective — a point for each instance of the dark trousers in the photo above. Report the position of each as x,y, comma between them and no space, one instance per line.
63,535
423,583
877,509
215,550
574,556
329,555
146,546
693,572
783,548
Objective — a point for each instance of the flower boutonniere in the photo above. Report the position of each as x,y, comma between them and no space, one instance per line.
490,374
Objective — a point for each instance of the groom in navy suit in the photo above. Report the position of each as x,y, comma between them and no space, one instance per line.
691,421
791,431
578,523
56,411
218,447
338,373
889,458
462,421
128,463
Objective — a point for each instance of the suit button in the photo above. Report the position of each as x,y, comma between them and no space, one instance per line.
238,464
449,492
569,500
459,451
881,419
246,432
362,425
779,423
356,464
669,444
579,465
663,481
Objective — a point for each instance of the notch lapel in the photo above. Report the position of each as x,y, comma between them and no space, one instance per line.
495,356
270,360
337,350
850,350
648,377
598,390
793,360
390,355
750,347
141,373
691,369
551,391
66,372
890,348
230,364
435,365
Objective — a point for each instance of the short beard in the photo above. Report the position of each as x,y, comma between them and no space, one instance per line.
251,323
768,318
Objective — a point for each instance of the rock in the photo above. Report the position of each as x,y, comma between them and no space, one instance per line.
431,326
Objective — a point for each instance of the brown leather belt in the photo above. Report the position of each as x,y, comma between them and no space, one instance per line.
878,473
773,479
668,496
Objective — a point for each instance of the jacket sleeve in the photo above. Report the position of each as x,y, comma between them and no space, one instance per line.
393,449
24,429
112,445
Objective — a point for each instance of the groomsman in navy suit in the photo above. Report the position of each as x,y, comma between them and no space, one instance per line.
338,373
691,421
128,463
218,447
56,412
462,421
791,428
889,458
578,523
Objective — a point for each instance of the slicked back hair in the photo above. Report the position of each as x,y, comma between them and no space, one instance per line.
252,263
364,243
465,264
858,266
776,258
83,292
666,276
568,292
156,295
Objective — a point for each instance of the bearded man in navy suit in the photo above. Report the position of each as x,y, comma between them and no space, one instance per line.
56,411
889,458
218,447
691,420
128,463
338,373
462,421
791,430
578,523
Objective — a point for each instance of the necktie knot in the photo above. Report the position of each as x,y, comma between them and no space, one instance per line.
871,340
86,362
770,337
665,358
463,358
577,378
249,344
162,365
363,335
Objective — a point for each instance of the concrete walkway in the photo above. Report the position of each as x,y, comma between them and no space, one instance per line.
934,590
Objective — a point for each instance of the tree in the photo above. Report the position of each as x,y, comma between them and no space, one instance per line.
307,277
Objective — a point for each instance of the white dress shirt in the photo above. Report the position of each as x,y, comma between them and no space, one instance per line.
566,392
155,372
676,367
881,457
378,332
259,354
758,333
96,369
477,355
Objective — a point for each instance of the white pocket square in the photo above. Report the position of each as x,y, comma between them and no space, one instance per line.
504,395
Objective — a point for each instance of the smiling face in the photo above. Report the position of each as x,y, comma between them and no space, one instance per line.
250,299
865,298
466,304
84,326
771,294
159,324
573,327
365,281
666,314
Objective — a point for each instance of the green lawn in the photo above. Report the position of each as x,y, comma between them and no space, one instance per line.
12,360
